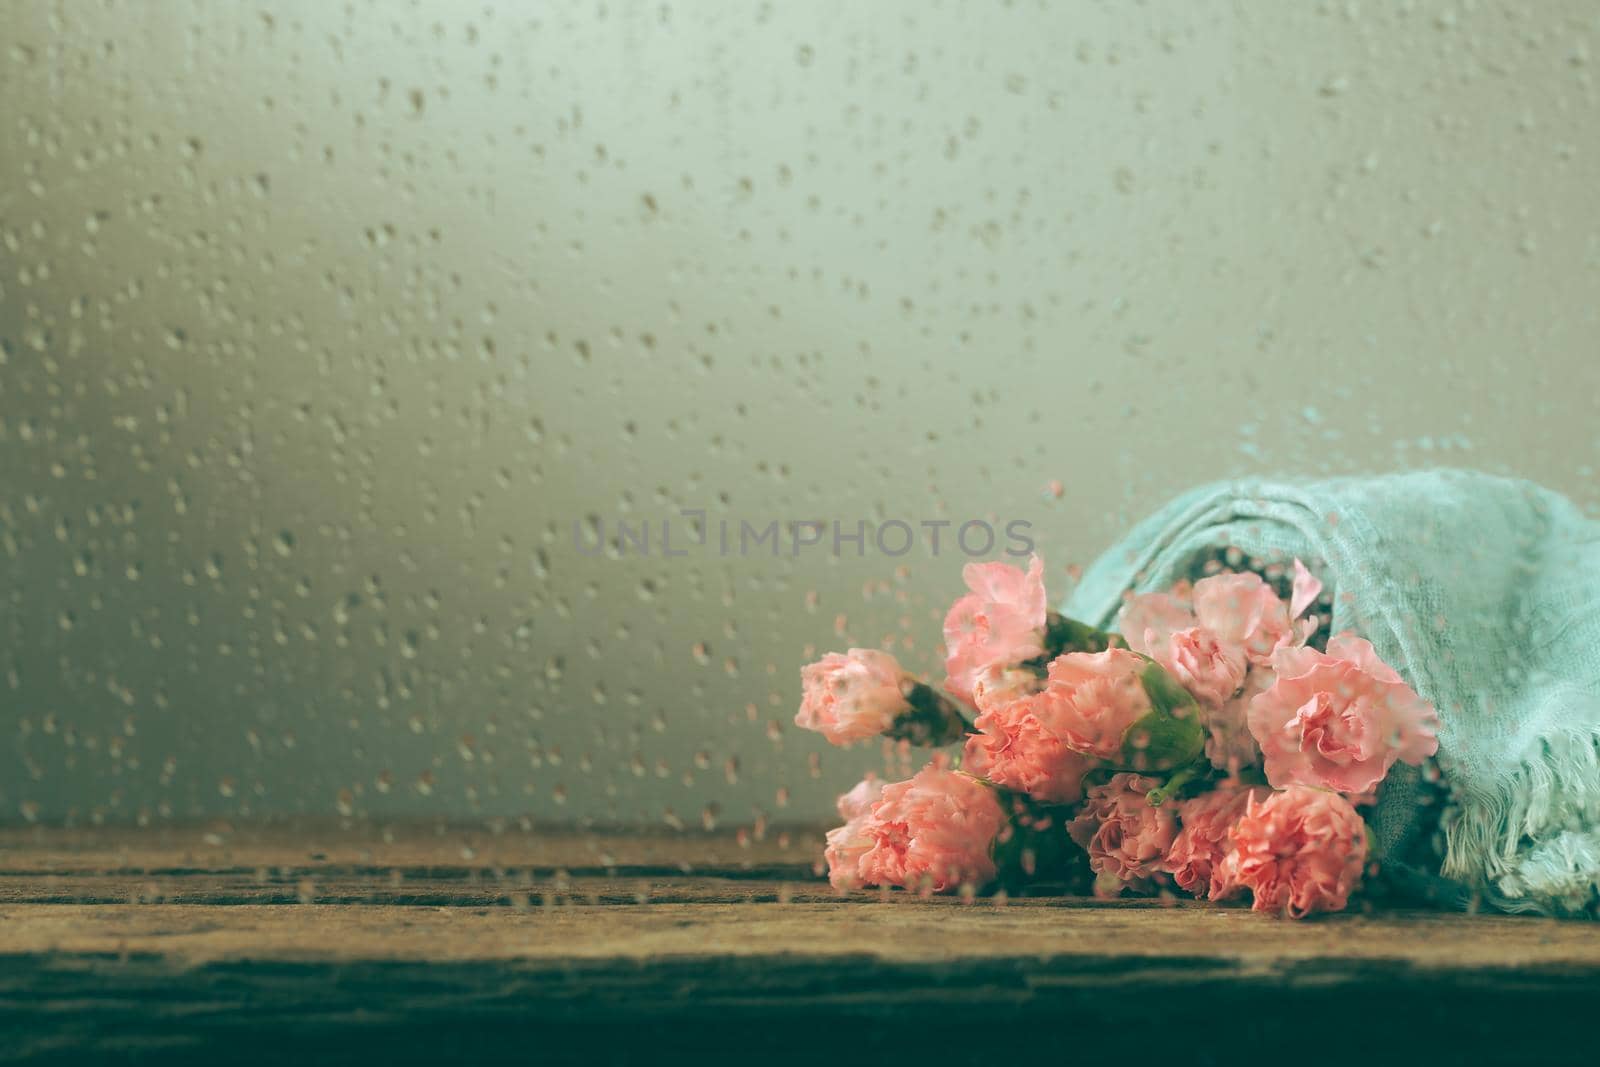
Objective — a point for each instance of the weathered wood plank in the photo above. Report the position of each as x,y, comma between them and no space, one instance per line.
787,983
428,887
900,930
313,845
358,943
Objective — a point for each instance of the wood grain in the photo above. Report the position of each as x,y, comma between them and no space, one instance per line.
314,845
895,931
587,947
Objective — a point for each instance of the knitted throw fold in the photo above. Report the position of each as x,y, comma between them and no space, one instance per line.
1484,593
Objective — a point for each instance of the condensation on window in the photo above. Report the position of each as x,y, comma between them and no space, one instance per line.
479,411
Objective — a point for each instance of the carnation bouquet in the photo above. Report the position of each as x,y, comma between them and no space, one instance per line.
1217,740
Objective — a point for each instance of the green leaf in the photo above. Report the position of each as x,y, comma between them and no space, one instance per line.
1170,734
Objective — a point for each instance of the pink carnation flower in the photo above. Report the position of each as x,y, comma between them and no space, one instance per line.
1207,635
999,623
1127,839
997,686
853,696
1297,851
1102,695
1209,669
859,801
848,843
934,831
1339,719
1244,613
1196,857
1043,743
1149,620
1019,751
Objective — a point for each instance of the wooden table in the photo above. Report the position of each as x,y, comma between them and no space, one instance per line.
368,944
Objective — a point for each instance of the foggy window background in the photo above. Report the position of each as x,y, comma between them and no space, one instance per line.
323,325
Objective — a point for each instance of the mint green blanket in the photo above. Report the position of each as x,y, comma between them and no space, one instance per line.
1484,593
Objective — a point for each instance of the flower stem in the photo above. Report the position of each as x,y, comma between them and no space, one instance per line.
1179,778
1063,635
